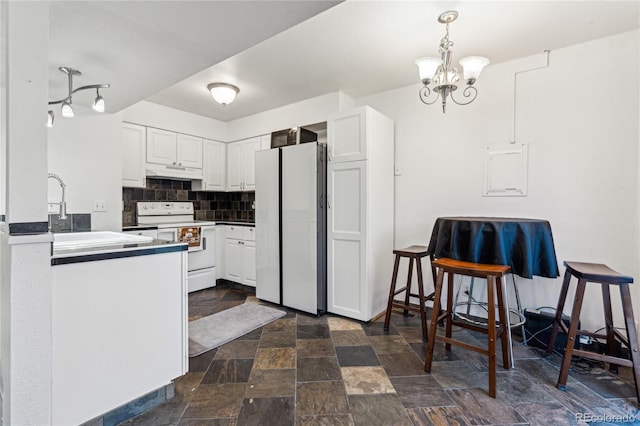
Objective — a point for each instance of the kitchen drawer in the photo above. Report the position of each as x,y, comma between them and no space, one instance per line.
235,232
249,233
146,232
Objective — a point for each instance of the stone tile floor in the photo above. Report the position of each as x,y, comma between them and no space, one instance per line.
304,370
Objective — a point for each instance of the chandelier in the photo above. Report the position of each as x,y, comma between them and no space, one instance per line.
66,109
439,72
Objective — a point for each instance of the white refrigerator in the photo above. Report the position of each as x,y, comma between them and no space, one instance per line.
291,227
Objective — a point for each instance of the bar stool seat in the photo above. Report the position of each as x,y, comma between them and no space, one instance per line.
415,254
494,275
605,276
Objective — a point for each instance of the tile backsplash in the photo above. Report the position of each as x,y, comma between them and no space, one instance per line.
219,206
74,222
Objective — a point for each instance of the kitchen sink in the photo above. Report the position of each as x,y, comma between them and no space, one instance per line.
72,240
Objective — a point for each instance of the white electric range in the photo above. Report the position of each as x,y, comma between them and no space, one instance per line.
175,221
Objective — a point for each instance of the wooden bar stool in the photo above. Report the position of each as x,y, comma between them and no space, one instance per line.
414,254
605,276
494,275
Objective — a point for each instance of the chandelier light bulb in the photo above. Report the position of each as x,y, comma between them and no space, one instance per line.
472,67
67,111
427,68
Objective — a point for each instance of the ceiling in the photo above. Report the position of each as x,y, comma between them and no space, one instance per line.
283,52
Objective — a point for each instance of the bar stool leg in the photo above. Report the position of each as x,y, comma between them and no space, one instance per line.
630,324
608,321
491,325
392,290
520,310
423,314
571,336
503,312
450,308
558,319
408,291
434,320
508,319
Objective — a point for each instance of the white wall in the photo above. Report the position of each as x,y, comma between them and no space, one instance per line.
86,152
25,288
309,111
580,119
162,117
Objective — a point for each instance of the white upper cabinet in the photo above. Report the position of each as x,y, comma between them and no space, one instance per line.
173,149
189,151
234,164
161,146
347,136
213,167
265,142
133,155
241,164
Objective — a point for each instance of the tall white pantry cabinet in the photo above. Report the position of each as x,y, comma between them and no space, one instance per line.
360,184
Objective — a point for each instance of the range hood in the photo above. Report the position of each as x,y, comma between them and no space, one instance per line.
173,172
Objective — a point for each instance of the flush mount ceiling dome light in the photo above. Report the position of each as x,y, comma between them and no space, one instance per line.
439,72
67,109
223,93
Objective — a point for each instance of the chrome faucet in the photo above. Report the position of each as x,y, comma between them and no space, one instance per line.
62,203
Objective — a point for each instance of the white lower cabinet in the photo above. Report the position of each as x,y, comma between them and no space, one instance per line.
248,256
240,255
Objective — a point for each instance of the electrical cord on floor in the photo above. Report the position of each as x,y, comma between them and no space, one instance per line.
578,365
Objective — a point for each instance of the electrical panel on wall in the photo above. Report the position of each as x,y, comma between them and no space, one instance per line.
505,170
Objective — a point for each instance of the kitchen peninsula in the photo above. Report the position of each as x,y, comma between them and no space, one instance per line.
113,293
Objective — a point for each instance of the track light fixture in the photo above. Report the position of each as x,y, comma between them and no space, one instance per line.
98,104
66,109
50,118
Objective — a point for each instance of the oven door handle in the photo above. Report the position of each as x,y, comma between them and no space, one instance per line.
204,243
